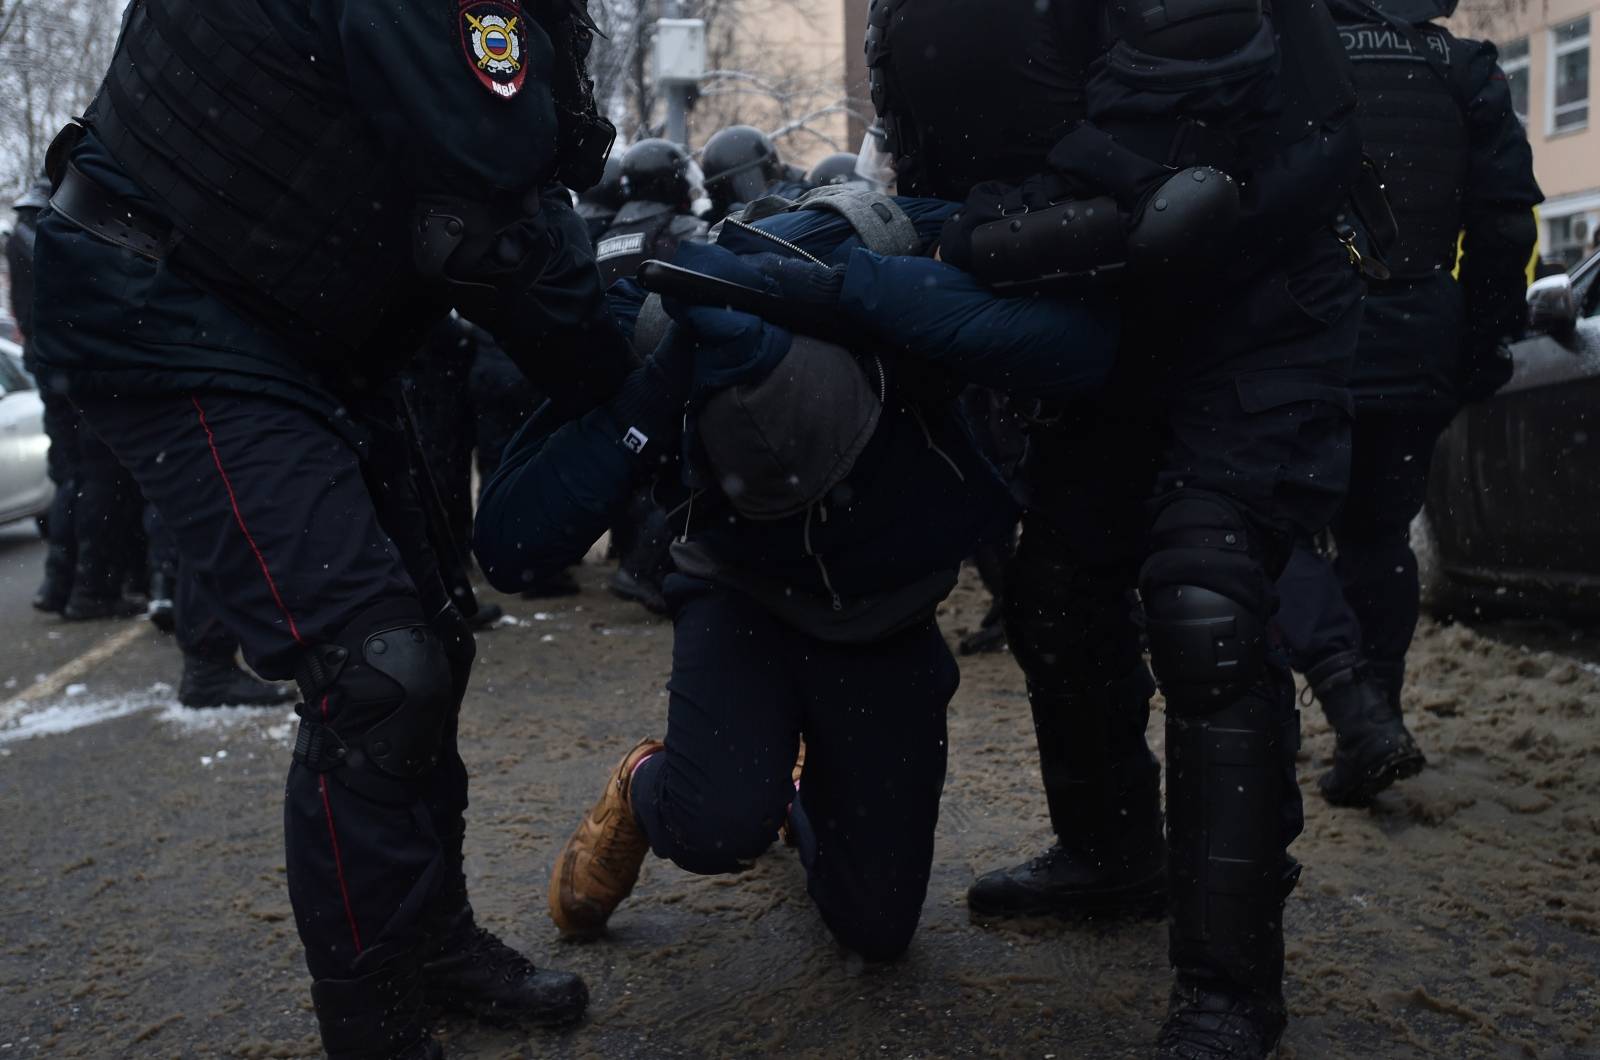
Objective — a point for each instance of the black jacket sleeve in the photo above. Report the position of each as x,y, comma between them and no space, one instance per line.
410,68
1499,232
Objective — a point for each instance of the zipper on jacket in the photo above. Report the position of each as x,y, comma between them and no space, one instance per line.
928,435
770,237
838,605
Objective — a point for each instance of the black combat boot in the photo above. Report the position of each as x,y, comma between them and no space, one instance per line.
82,607
161,611
376,1016
1207,1022
990,634
1374,749
1114,866
1110,856
467,971
221,683
646,592
56,588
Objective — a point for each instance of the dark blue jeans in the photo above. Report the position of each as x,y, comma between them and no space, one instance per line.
744,689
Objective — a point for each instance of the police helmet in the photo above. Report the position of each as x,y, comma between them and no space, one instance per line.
658,171
607,193
739,162
37,197
837,168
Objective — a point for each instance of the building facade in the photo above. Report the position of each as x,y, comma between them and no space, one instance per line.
1545,50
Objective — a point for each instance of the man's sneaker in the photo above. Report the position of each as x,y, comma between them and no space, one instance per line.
600,864
475,974
1065,883
1374,748
1205,1023
221,683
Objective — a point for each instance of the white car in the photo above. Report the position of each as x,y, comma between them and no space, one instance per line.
25,488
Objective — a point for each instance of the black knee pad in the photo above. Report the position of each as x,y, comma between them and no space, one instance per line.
1207,600
376,701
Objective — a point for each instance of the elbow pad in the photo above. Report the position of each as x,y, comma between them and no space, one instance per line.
1186,29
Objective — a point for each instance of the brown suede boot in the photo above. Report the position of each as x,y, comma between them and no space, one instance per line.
600,864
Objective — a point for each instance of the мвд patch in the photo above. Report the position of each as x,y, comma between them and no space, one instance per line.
495,42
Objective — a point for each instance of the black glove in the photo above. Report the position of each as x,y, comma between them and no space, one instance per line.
994,201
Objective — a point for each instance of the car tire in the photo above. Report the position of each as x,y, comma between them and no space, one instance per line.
1437,594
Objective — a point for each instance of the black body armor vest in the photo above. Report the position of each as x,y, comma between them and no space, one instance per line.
280,196
1413,124
625,247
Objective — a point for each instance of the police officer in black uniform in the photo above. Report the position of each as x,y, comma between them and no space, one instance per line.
1436,114
60,418
660,185
742,164
1091,139
598,206
94,548
270,202
837,168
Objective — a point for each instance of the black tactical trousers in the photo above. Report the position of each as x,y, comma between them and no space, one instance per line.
107,524
61,426
291,538
744,689
1223,438
199,630
1366,600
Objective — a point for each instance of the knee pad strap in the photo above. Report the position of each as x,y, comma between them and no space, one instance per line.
377,699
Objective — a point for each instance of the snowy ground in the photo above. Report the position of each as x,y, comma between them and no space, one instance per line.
143,911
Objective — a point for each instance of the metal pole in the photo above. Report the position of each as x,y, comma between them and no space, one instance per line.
677,95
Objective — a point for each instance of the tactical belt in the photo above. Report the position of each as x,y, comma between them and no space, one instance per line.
93,209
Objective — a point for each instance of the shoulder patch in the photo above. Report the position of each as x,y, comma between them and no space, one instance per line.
617,246
494,41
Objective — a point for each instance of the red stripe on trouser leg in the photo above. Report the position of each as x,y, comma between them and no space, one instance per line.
294,630
238,517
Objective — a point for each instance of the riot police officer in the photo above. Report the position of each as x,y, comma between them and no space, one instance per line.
1436,114
241,248
742,164
1221,438
60,418
598,205
92,529
837,168
660,184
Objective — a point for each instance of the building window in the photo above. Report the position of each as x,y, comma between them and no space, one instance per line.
1567,239
1514,61
1569,75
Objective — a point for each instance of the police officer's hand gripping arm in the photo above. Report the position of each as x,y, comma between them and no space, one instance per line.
486,105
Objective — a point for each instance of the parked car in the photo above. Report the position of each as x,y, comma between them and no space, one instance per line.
25,489
1512,520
